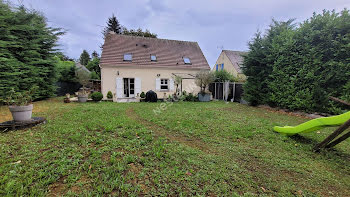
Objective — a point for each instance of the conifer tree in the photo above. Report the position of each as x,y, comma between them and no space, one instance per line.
26,51
84,58
112,25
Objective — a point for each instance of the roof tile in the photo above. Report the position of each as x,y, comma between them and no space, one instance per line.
169,53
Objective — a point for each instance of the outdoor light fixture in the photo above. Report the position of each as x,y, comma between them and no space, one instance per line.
158,75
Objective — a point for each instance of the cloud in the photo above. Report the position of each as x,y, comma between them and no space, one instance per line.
213,24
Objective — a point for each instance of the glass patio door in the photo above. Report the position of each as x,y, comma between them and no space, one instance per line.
129,87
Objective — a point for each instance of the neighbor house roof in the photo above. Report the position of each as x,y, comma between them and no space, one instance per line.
236,58
80,66
169,53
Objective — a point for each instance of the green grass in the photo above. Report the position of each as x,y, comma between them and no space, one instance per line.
202,149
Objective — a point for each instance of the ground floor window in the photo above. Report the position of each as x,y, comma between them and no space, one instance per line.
164,84
129,87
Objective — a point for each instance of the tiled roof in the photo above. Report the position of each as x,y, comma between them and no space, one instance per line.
80,66
236,58
169,53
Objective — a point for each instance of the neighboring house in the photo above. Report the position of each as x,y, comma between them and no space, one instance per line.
131,65
231,61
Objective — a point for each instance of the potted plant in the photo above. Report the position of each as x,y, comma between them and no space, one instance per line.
20,104
203,79
83,78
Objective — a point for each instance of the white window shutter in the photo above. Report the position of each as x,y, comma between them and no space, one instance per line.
171,84
137,86
157,84
119,83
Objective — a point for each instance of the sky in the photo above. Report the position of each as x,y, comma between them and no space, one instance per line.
214,24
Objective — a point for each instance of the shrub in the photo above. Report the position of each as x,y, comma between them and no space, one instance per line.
96,96
191,97
223,75
19,98
299,67
142,95
109,95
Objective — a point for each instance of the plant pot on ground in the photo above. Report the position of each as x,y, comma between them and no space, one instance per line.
83,78
204,97
83,96
20,104
203,79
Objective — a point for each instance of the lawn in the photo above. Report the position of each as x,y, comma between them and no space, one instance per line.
180,149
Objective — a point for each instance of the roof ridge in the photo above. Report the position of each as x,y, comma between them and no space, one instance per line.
224,50
150,38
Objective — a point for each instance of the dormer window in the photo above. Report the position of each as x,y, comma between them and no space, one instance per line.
187,60
153,58
127,57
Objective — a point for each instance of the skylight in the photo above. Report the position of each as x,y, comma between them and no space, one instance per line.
153,58
127,57
187,60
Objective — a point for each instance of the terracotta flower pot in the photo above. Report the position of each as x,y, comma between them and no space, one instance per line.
21,113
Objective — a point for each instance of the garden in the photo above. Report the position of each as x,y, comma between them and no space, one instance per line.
189,148
180,147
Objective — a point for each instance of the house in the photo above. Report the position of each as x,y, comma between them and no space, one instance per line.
231,61
131,65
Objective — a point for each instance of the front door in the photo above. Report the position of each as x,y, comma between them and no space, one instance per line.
129,87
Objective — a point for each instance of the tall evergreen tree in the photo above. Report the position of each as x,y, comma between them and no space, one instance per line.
26,51
84,58
112,25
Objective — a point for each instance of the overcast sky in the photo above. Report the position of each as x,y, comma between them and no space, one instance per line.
214,24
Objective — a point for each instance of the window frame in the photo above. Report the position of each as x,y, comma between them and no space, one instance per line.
165,83
126,60
189,60
154,59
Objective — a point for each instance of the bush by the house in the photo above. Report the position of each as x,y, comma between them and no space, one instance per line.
188,97
27,52
96,96
109,95
299,67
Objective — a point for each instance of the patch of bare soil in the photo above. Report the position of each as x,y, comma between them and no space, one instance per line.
83,180
58,188
172,136
136,168
106,156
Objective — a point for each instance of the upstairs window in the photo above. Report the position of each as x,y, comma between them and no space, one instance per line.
127,57
164,84
153,58
187,60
